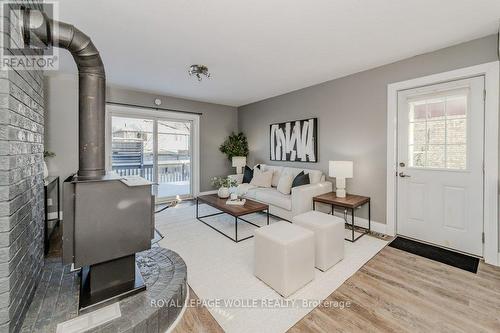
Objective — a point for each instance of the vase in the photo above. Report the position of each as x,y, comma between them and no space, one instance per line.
45,170
223,192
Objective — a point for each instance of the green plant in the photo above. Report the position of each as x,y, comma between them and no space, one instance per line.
219,182
235,145
48,154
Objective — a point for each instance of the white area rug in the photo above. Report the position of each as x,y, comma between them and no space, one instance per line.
221,270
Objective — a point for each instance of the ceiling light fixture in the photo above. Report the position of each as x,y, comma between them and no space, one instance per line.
199,70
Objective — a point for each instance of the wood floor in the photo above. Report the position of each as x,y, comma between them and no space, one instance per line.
397,292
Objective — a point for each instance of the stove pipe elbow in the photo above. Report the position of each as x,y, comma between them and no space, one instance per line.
92,84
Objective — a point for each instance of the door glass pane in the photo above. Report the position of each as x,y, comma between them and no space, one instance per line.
435,110
456,107
132,147
418,133
436,156
174,158
456,156
456,131
417,156
418,111
437,131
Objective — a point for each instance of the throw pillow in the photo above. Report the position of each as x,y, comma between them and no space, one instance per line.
301,179
276,177
247,174
285,183
262,178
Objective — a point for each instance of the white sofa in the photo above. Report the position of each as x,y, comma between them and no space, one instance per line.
282,205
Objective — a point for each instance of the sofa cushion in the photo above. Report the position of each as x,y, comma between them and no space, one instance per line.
272,197
247,175
244,188
285,183
301,179
277,172
315,176
262,178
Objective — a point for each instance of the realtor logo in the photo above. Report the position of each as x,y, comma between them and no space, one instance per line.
15,52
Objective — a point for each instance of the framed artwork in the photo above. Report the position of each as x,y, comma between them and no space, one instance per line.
294,141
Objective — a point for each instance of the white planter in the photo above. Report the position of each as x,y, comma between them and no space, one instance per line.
223,192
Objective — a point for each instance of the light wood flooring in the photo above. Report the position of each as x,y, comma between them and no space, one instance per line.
397,292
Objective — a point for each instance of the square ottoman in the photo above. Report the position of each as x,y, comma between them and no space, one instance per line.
284,256
329,237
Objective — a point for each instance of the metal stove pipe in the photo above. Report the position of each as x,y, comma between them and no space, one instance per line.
92,84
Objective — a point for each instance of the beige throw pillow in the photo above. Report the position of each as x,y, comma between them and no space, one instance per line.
261,178
285,183
276,176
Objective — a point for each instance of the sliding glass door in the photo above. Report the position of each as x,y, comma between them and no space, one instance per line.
174,158
154,145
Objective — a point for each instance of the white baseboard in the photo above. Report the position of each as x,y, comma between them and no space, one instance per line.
362,222
208,192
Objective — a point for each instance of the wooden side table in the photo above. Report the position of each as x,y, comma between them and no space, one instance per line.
349,202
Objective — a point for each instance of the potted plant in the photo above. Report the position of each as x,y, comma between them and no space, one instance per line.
46,154
223,184
235,145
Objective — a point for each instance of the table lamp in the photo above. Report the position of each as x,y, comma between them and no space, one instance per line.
239,162
340,170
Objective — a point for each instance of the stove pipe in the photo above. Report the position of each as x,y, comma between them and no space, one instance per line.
92,84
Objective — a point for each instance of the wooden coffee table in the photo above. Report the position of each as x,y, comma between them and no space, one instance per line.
237,212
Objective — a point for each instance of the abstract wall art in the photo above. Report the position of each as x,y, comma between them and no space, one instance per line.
295,141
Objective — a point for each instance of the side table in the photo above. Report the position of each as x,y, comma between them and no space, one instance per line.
349,202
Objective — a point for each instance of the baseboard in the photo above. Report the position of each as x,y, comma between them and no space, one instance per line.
362,222
208,192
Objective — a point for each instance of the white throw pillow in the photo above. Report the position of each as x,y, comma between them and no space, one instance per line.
262,178
285,183
276,177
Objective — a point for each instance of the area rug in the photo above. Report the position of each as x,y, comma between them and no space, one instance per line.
221,272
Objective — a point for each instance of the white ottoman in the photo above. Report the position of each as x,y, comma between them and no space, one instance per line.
284,256
329,237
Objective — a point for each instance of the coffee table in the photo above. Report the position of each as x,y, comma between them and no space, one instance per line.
235,211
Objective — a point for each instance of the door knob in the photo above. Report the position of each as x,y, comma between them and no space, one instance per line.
401,174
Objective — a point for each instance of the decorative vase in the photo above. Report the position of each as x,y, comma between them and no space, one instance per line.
223,192
45,170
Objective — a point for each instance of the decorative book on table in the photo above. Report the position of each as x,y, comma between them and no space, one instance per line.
238,202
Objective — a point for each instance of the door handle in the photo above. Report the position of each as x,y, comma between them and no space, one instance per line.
402,175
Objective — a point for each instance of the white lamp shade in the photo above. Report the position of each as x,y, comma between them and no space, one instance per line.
340,169
239,161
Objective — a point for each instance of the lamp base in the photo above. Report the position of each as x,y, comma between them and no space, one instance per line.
340,193
340,187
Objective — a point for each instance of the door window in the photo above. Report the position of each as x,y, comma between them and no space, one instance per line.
437,133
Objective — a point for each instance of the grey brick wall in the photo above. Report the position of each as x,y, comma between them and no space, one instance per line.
21,191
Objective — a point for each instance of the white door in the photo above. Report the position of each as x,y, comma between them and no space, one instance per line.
440,164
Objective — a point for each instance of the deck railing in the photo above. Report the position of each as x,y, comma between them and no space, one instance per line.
128,160
168,171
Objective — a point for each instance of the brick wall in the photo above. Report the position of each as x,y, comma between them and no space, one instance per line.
21,191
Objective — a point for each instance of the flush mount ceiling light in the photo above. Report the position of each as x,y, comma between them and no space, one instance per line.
198,71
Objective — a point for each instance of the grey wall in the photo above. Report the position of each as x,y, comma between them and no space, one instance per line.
216,122
352,115
21,192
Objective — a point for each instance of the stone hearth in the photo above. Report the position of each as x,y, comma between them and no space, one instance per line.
165,275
